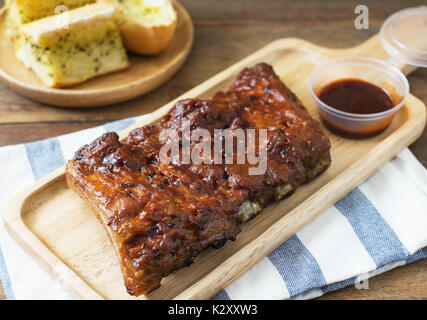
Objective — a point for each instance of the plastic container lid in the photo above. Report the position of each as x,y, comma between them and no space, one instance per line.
404,36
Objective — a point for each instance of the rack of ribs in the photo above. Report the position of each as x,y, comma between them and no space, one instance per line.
159,216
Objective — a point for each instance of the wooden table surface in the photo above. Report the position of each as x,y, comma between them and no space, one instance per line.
227,31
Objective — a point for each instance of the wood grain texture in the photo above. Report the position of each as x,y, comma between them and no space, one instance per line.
227,31
2,293
59,230
39,131
406,282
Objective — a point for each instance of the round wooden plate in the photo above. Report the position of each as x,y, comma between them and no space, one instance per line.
145,74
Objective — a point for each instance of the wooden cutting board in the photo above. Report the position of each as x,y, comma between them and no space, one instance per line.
58,229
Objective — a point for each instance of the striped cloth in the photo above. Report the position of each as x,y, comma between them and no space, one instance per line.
378,226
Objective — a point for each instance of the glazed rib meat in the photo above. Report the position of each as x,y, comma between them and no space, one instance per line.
159,216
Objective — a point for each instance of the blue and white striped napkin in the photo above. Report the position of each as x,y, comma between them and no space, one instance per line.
378,226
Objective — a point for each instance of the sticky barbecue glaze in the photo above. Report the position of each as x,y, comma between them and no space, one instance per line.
158,216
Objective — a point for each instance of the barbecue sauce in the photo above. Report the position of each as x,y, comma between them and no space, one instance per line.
356,96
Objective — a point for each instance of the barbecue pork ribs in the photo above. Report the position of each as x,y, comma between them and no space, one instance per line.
160,216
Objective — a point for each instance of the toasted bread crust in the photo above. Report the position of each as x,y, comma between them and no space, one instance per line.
146,40
140,38
63,84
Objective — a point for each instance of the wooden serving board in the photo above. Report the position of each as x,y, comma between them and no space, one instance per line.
145,73
59,230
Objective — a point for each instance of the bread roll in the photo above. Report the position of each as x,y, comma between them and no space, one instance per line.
147,26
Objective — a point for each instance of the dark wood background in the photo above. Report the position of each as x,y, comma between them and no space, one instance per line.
225,32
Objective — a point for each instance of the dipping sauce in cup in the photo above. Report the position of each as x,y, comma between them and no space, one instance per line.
358,96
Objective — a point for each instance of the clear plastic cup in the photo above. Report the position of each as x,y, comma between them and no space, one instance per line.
371,70
403,36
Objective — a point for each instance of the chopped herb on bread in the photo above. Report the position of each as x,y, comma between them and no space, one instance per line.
64,52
